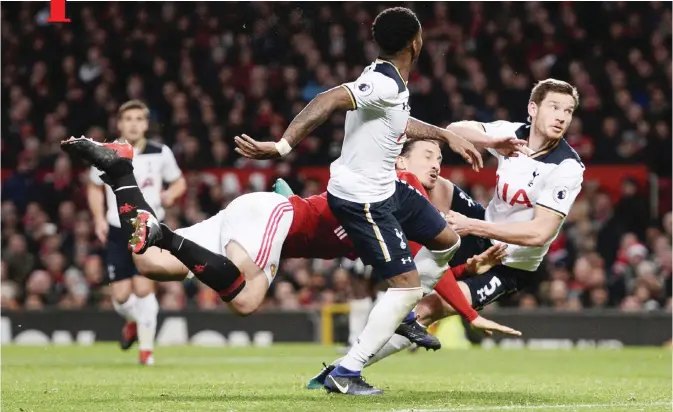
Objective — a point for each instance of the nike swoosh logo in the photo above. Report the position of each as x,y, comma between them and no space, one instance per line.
343,389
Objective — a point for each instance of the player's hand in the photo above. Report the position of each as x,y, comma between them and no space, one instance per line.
488,326
167,199
459,223
467,151
101,229
249,147
482,263
507,146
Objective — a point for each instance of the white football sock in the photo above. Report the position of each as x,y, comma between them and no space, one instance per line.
383,320
394,345
357,318
432,264
147,309
127,309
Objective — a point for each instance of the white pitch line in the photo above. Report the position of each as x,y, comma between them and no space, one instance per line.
535,407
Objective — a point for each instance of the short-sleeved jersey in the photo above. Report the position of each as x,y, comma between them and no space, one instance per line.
315,232
374,135
551,178
152,166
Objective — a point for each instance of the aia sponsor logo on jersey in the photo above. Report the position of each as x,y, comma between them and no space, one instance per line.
509,195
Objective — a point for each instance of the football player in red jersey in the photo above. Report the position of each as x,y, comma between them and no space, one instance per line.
266,226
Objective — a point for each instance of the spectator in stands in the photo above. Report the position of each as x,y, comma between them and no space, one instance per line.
209,74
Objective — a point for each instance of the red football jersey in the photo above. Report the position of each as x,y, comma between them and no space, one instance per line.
316,234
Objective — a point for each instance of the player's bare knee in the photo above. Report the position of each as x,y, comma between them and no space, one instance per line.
405,280
121,290
429,308
446,239
142,286
242,306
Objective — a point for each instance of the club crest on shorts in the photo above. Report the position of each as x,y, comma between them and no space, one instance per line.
273,271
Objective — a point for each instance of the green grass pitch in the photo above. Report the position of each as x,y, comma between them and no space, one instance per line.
102,378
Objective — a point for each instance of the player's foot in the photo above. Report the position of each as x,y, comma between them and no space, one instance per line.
346,382
101,155
146,232
417,334
282,188
318,381
129,335
146,358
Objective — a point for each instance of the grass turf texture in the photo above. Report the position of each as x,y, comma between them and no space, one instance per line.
102,378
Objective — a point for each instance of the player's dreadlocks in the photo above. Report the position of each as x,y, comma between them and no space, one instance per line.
394,29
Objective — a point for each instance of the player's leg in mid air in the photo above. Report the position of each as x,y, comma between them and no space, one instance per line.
249,234
132,296
483,259
213,268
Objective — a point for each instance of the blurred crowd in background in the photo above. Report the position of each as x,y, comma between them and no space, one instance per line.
210,71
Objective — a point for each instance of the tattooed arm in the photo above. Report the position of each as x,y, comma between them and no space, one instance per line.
419,130
314,114
317,112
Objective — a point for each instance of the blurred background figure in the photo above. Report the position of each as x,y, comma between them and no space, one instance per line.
208,73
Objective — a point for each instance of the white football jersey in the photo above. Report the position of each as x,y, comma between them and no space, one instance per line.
550,178
152,167
374,135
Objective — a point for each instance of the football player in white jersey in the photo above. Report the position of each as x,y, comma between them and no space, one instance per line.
533,195
154,164
378,212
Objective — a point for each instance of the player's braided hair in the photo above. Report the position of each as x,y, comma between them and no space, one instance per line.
394,29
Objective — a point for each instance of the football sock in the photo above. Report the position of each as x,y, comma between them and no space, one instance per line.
394,345
450,291
357,317
459,271
147,309
129,198
216,271
126,309
432,264
383,320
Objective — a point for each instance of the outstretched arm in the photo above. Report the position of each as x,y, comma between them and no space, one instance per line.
536,232
475,133
314,114
417,129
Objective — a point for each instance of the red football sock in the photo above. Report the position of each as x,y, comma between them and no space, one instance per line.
448,289
458,271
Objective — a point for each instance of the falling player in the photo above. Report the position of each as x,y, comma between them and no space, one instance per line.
249,225
532,197
378,213
154,164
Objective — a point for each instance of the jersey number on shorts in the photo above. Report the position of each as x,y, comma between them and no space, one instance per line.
489,289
